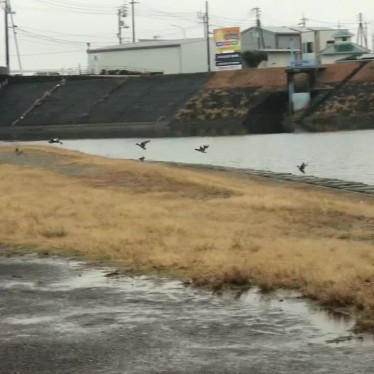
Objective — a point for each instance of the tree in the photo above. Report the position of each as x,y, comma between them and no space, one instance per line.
253,58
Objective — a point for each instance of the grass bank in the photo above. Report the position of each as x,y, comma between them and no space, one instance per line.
211,227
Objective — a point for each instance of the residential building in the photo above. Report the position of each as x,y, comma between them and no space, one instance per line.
274,37
281,42
341,48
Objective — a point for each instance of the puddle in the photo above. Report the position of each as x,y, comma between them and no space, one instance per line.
58,302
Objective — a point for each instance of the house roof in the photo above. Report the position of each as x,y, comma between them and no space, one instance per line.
147,44
342,34
276,29
344,47
289,29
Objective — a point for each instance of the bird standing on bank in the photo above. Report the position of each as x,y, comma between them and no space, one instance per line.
202,148
302,167
55,140
143,144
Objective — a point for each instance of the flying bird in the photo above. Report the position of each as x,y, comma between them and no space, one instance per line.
302,167
141,158
202,148
143,144
55,140
18,151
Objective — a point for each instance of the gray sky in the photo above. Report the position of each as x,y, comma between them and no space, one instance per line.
52,34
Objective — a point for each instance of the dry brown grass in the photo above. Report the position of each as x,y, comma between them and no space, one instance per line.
208,226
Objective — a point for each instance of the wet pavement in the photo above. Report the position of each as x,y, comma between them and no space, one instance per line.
61,316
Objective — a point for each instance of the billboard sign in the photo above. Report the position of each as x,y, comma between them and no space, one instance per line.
227,44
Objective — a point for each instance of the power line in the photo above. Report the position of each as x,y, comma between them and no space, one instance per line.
48,38
75,5
30,40
77,9
69,34
50,53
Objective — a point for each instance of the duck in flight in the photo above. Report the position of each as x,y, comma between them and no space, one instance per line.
55,140
141,158
202,148
302,167
143,144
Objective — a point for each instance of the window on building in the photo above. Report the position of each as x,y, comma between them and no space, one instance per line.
308,47
344,38
330,42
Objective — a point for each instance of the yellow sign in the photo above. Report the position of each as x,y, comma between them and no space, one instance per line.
227,40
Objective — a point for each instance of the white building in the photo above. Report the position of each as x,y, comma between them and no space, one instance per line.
166,56
277,57
342,47
279,42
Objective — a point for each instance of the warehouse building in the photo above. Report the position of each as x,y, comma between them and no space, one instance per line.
164,56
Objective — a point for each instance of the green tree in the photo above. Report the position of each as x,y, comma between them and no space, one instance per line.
253,58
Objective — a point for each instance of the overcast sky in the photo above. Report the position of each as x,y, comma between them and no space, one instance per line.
52,34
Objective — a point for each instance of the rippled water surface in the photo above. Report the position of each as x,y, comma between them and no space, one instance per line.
342,155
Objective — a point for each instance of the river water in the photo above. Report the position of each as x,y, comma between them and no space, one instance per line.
342,155
62,317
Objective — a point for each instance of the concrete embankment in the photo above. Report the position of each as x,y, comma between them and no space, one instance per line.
222,103
332,183
88,131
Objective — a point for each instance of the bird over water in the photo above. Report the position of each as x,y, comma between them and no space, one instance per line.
143,144
55,140
302,167
202,148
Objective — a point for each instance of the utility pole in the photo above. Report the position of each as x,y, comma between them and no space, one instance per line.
121,13
15,39
6,33
206,18
361,34
119,34
260,35
133,18
303,21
